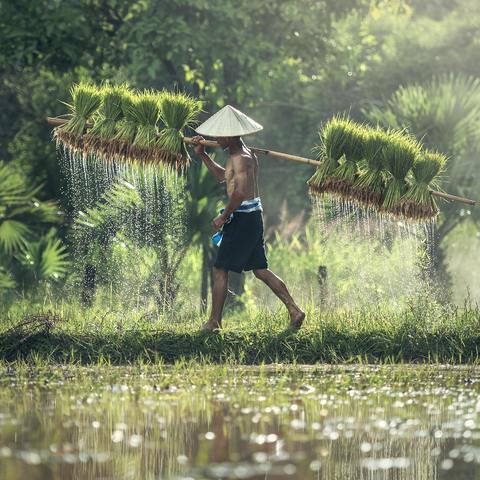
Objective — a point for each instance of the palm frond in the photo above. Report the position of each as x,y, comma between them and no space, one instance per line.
45,258
7,282
13,187
13,235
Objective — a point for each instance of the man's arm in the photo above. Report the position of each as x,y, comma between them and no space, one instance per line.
213,167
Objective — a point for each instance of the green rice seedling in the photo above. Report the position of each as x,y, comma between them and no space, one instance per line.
370,184
86,99
399,155
127,127
344,176
100,140
110,112
418,203
177,111
146,113
147,147
332,141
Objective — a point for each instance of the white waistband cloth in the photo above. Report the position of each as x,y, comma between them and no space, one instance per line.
252,205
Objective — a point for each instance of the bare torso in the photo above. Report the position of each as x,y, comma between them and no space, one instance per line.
251,164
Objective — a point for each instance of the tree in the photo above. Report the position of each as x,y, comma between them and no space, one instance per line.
203,202
290,64
142,214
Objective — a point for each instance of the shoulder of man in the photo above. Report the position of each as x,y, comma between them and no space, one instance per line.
242,156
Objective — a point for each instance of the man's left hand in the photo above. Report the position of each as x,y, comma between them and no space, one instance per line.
218,222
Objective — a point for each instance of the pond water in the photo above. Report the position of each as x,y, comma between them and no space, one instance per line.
207,422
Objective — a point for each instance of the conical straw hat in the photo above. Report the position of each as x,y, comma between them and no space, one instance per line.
228,122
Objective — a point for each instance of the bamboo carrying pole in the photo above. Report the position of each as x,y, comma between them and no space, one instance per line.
284,156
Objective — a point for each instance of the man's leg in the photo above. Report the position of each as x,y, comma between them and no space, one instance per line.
279,288
219,294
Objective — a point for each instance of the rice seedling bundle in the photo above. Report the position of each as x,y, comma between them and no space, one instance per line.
110,112
331,149
418,203
369,186
85,100
399,155
127,127
99,139
386,170
343,177
177,111
145,114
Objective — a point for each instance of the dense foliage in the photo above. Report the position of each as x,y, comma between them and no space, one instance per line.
289,64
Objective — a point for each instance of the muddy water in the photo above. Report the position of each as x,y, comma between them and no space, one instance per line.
198,422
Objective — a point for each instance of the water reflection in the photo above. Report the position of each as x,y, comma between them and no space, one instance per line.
212,423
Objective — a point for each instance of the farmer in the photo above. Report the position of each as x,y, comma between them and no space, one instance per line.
240,239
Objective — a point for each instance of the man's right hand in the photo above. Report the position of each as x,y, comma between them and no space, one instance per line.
198,147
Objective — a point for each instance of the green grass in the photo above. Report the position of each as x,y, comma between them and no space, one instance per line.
420,333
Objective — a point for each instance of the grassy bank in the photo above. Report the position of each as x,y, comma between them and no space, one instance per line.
420,333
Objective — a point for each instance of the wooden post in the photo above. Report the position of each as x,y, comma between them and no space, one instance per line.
322,276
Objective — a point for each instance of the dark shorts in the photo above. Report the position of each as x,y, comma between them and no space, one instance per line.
243,246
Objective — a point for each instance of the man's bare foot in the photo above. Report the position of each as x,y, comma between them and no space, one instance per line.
297,317
211,326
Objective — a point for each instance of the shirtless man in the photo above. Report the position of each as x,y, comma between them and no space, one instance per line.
242,246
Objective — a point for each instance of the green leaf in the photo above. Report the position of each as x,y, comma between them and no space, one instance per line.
6,280
13,235
46,258
53,263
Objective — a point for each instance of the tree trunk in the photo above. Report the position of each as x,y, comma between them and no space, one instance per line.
236,281
322,277
204,283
